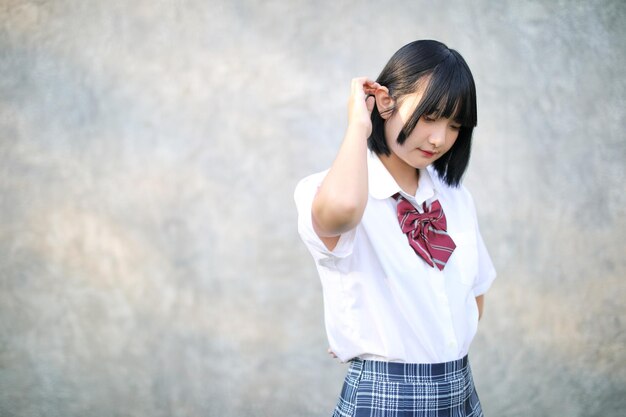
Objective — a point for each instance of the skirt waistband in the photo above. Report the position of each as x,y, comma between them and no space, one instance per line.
410,372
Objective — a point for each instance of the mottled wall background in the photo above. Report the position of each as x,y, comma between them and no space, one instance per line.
149,259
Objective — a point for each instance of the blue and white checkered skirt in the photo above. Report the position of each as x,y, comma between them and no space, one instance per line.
386,389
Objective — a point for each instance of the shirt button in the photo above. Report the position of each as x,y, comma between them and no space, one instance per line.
451,344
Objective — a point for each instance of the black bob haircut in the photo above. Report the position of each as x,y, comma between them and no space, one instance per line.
449,92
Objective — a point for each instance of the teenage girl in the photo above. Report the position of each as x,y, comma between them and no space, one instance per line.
395,239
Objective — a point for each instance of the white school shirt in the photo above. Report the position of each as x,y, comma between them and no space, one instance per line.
381,300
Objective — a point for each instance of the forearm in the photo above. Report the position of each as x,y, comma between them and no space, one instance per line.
342,196
480,302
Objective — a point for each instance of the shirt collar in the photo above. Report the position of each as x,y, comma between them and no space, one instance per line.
382,185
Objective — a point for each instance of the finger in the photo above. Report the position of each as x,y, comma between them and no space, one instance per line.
369,103
363,84
367,83
371,89
371,84
357,86
362,80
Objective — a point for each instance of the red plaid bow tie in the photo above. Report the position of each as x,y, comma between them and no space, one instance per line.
427,231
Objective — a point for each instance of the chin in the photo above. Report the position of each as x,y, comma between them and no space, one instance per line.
421,164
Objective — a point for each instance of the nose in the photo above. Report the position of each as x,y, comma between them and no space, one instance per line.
437,136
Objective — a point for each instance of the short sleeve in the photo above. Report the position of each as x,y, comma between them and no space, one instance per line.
303,196
486,270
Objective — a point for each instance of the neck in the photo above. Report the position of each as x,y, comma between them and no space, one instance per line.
405,175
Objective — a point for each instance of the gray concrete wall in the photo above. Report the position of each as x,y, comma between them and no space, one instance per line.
149,259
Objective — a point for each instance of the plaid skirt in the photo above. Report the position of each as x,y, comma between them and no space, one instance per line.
386,389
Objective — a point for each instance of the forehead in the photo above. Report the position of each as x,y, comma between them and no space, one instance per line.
437,104
408,103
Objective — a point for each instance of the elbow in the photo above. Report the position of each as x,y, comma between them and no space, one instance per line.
339,218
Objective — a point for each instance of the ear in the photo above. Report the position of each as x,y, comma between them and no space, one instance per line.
384,102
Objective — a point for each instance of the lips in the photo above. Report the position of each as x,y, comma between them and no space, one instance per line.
426,153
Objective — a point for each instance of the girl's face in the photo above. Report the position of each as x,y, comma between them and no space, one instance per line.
430,139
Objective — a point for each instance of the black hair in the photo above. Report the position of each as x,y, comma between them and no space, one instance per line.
449,92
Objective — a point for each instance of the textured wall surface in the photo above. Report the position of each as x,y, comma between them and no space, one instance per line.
149,259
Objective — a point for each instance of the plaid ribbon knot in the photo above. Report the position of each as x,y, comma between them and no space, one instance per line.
427,231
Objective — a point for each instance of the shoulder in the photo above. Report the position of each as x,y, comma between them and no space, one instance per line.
308,185
441,185
459,195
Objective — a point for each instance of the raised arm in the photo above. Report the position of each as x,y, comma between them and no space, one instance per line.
340,201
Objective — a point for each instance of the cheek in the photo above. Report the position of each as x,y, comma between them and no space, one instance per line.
392,130
451,139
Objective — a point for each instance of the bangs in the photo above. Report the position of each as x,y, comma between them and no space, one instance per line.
449,93
447,86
